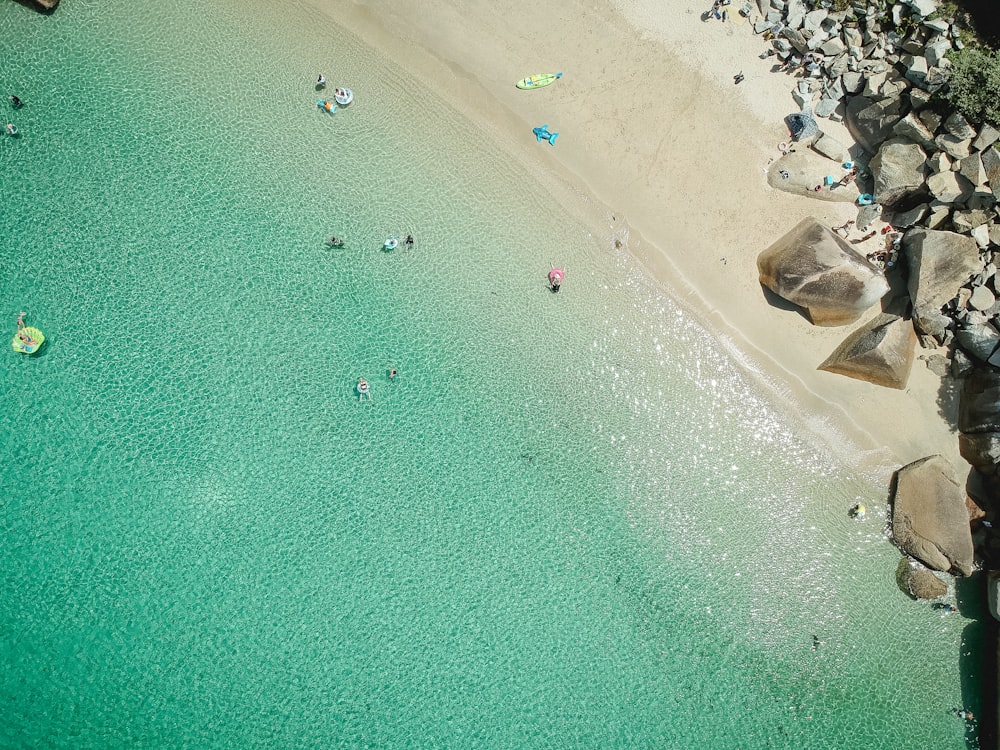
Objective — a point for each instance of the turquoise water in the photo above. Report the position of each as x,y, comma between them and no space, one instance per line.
571,522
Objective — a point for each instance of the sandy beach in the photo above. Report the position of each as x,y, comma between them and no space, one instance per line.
659,149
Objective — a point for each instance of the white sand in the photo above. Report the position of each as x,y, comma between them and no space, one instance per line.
656,138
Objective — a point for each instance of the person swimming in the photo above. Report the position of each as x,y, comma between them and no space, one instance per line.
16,101
335,242
408,241
393,374
363,389
321,81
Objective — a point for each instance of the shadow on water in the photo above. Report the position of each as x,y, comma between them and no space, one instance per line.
978,662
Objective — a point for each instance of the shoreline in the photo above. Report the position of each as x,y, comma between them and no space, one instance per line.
668,156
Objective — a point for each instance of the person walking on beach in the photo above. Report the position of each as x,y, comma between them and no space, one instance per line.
738,78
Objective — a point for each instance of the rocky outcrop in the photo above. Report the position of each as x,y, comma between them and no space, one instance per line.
929,518
979,420
898,169
917,581
799,172
880,352
939,263
818,271
871,122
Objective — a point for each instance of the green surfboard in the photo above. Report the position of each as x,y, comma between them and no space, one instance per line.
538,81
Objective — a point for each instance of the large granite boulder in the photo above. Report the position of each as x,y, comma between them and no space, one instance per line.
898,169
879,352
871,122
939,263
929,517
993,593
979,420
817,270
799,173
920,583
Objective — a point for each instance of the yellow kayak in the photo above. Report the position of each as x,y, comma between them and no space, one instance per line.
28,340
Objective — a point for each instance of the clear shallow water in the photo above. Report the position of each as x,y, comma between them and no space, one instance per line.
570,523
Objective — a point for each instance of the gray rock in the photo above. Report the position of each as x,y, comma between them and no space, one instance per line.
955,148
813,20
939,161
979,342
893,87
833,47
826,106
939,215
797,40
995,234
873,85
851,36
804,169
929,518
930,118
880,352
981,235
922,8
937,24
935,52
871,122
911,127
988,135
981,199
838,67
979,405
852,81
938,364
949,187
935,325
971,168
936,78
916,69
907,219
868,214
982,298
959,127
919,582
919,98
817,270
939,263
981,450
991,163
898,169
795,14
966,221
830,147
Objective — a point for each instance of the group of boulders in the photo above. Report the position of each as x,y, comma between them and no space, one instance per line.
932,180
